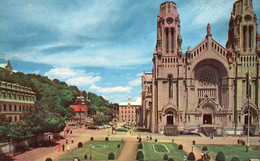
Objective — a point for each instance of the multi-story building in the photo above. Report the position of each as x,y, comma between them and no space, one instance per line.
15,100
128,110
80,108
206,85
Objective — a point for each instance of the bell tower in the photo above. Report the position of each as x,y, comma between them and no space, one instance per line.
168,29
242,33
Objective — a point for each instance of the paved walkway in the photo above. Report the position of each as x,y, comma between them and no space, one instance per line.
129,151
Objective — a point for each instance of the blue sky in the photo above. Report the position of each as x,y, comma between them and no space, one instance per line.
101,46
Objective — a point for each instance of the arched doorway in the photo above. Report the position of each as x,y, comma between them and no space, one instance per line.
246,120
169,118
207,119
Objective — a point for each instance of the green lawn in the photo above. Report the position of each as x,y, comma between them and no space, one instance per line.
156,151
100,150
231,151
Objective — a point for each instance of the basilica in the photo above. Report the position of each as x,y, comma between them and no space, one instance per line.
206,86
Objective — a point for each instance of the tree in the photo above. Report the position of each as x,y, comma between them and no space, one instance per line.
18,131
100,118
220,156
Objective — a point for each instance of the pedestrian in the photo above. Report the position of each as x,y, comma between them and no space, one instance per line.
147,138
67,140
71,132
63,147
72,140
68,148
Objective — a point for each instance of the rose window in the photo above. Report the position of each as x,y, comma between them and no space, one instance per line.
207,77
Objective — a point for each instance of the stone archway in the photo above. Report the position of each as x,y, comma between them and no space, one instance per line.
207,119
169,118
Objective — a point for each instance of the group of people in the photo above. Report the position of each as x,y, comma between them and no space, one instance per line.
67,144
205,156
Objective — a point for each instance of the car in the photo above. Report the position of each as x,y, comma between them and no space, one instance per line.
122,129
92,127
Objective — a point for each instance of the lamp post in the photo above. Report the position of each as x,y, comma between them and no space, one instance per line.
90,156
249,79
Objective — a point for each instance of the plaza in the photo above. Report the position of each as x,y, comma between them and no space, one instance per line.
130,148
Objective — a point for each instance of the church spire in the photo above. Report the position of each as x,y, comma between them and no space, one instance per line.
8,66
242,33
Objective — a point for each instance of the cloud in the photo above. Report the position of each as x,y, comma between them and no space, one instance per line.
135,82
110,89
83,81
63,73
77,77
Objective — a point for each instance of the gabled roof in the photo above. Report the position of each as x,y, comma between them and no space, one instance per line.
78,108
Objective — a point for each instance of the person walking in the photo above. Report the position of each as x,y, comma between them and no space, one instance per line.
72,140
68,148
67,140
63,147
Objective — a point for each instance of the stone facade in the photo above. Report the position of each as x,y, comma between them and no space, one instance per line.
205,85
15,100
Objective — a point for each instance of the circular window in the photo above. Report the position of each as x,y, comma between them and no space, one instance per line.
248,18
207,77
169,20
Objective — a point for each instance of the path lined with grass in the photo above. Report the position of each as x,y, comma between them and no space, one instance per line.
129,151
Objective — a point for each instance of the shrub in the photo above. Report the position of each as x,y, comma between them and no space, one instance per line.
140,140
106,139
243,142
118,145
91,139
111,156
165,157
48,159
140,146
235,159
191,156
193,142
204,148
220,156
171,159
180,147
86,157
140,155
200,160
80,145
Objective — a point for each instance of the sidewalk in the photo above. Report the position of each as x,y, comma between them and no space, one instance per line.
129,151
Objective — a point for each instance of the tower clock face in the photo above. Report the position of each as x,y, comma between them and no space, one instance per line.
169,20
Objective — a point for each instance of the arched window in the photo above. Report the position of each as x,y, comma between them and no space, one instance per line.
166,38
170,85
172,38
251,37
244,38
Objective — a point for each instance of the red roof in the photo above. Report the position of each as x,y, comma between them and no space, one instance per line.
78,108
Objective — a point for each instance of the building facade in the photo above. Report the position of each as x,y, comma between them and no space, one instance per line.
208,84
15,100
128,111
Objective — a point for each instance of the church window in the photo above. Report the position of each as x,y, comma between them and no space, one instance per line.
170,85
15,118
172,38
4,107
207,77
189,118
167,38
229,118
251,37
244,38
239,118
10,107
